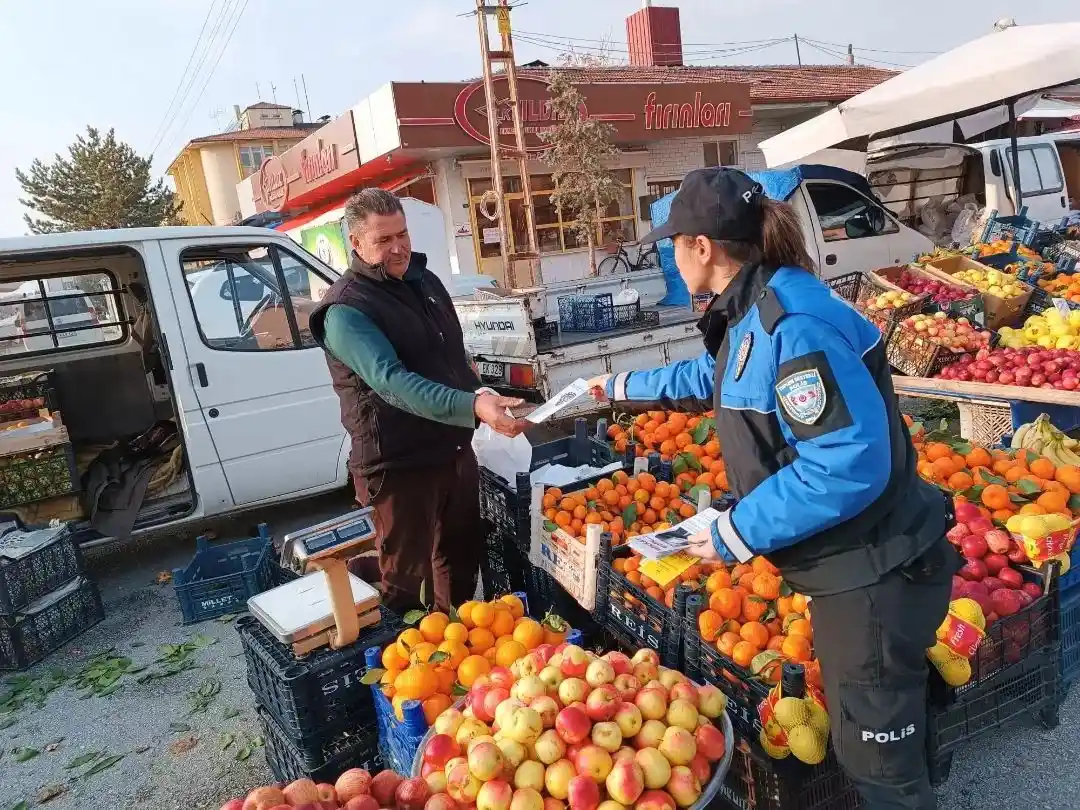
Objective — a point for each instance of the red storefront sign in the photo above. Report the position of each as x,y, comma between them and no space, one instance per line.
273,184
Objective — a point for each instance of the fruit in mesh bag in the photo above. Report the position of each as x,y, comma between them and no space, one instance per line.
969,611
795,725
955,669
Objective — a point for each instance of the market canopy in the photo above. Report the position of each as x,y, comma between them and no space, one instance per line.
1000,68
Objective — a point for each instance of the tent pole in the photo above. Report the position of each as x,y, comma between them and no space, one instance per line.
1019,193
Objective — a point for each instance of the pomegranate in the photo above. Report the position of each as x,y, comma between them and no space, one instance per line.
997,541
973,547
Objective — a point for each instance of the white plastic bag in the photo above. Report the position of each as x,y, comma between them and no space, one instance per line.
502,455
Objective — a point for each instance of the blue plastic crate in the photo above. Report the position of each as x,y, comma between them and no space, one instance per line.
1070,635
399,740
1018,228
1071,580
220,579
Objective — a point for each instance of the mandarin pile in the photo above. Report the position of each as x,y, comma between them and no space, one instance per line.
570,729
623,505
688,441
426,661
751,611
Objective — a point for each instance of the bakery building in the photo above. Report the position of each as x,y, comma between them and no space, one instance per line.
429,140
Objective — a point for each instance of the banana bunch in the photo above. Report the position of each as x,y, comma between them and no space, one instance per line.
1043,438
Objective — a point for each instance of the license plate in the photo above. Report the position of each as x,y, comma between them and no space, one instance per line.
66,334
493,370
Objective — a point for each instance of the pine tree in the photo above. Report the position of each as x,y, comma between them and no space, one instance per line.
102,183
578,148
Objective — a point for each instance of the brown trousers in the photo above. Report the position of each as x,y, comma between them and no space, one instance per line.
429,530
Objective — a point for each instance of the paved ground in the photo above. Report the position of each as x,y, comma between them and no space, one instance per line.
173,758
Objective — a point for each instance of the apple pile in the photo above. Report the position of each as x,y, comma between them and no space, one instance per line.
564,728
892,299
939,292
988,576
356,789
21,405
957,335
1028,368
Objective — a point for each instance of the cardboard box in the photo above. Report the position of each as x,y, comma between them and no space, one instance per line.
999,311
571,561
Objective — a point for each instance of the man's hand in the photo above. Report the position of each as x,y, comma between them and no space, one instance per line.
701,545
598,387
491,410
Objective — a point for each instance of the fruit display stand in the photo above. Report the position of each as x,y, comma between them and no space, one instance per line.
999,310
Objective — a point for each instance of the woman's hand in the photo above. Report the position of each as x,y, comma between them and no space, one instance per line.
598,387
701,545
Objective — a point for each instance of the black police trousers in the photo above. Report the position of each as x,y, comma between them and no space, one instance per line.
872,645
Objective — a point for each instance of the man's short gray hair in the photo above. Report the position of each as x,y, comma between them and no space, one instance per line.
368,201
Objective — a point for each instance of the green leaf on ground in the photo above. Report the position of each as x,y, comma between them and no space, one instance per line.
102,765
83,759
179,728
24,754
243,754
227,740
228,713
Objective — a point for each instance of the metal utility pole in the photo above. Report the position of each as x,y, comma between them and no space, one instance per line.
504,57
798,54
307,101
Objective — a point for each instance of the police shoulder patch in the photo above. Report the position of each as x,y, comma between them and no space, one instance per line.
802,395
743,356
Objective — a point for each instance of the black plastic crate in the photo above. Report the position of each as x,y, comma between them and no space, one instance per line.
320,693
25,576
755,781
706,664
221,578
26,395
357,747
633,617
507,506
600,313
1030,687
546,595
502,569
48,624
37,475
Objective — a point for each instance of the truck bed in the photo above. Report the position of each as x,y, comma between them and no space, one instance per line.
669,315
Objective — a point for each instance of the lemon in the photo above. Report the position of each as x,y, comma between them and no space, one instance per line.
807,744
774,751
955,669
1056,521
1034,527
790,712
969,611
819,718
1014,523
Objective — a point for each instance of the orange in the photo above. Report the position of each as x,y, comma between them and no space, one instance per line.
446,677
563,519
418,682
800,627
797,648
754,607
1069,476
1001,515
422,652
1042,467
456,631
1054,502
580,512
798,603
727,603
760,564
766,585
756,633
776,643
1002,466
550,501
937,450
943,468
483,614
709,623
393,659
1032,509
605,485
510,652
481,639
978,457
387,681
407,640
472,668
456,651
503,624
783,606
744,653
433,627
995,496
529,633
434,706
959,481
683,440
726,643
717,580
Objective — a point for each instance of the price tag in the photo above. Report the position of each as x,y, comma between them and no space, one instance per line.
1062,306
960,636
666,569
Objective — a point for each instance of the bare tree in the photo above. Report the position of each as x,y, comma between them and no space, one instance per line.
578,148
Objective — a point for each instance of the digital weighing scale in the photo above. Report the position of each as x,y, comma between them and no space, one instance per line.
326,606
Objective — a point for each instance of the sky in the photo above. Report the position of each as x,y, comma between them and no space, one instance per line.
120,63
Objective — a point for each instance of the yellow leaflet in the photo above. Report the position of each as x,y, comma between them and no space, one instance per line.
667,568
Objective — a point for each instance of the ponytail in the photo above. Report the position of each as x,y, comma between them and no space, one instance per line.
781,243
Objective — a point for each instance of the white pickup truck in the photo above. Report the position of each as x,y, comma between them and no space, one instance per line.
514,338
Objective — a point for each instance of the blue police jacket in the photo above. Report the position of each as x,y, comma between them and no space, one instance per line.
817,452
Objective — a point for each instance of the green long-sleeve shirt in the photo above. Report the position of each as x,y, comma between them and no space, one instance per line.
355,340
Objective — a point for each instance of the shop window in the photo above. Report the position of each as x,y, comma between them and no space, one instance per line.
721,153
58,313
254,298
662,188
252,157
554,234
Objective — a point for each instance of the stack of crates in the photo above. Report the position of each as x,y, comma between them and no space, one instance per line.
45,600
1069,593
316,714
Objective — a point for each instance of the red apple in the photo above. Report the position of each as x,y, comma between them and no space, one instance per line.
995,562
974,570
973,547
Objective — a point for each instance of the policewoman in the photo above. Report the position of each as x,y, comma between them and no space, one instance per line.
822,466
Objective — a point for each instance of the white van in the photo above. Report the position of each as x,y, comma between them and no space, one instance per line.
244,381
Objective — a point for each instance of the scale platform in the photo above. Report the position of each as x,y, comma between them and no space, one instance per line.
318,610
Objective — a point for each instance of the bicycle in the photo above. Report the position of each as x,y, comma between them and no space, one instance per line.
619,262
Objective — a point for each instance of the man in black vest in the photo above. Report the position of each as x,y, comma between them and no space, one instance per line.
410,401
